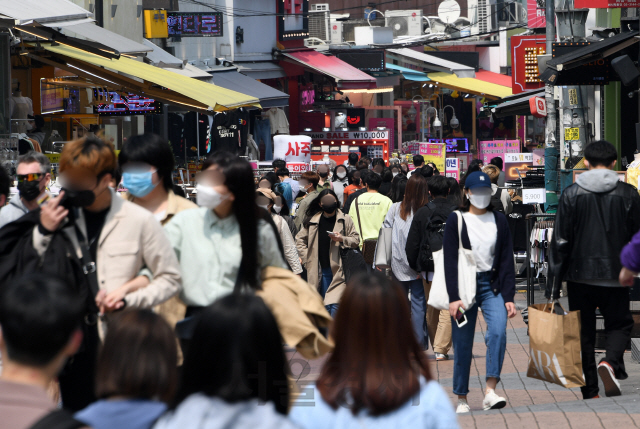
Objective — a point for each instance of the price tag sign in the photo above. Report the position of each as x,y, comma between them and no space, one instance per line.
534,196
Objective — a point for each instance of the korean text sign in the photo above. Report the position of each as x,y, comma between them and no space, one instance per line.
434,152
452,168
293,149
488,149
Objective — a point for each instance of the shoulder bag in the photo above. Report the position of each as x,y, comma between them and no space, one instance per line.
368,245
439,297
384,247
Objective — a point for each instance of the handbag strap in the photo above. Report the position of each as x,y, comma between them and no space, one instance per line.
88,265
359,223
459,229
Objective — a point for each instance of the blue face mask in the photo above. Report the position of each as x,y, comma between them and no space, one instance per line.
139,184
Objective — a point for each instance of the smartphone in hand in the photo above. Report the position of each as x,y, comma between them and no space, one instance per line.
461,318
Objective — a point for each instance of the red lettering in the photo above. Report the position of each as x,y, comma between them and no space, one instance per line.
291,151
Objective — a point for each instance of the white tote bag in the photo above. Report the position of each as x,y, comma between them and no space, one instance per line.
439,297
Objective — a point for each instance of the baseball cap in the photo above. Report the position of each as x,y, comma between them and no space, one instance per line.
477,179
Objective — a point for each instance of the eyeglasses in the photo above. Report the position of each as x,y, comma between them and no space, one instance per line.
31,177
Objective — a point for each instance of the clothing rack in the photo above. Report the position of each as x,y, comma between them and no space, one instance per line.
531,219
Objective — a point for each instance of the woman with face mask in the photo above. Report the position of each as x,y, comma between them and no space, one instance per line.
266,199
487,234
281,208
340,182
223,245
324,182
325,231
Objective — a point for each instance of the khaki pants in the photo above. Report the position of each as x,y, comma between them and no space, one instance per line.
438,325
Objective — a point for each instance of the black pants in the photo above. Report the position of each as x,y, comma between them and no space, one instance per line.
77,379
613,303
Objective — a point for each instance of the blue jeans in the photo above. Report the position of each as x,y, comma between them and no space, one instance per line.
495,314
327,278
262,131
418,310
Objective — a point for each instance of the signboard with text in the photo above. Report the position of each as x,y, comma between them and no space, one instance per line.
293,149
534,196
452,168
596,72
515,163
524,62
434,152
604,4
194,24
488,149
536,13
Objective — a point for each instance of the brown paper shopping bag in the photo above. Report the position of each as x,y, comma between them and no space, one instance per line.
554,345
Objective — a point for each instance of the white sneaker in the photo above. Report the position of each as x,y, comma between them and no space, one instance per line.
611,385
442,356
463,407
493,402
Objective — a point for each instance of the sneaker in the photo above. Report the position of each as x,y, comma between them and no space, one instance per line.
493,402
611,385
442,356
463,407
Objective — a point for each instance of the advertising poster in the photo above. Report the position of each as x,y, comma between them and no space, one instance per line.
488,149
538,157
517,162
434,152
452,168
294,149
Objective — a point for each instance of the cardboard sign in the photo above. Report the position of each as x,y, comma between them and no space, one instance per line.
452,168
434,152
296,149
534,196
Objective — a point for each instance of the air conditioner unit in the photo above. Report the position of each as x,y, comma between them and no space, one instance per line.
320,7
404,22
348,27
481,16
319,24
335,28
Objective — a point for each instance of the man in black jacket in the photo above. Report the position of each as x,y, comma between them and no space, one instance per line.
596,217
438,322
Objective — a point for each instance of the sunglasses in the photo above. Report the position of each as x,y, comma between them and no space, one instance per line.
32,177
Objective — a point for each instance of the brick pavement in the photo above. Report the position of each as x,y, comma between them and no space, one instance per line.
531,403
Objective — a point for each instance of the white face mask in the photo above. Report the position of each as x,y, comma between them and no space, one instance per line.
264,207
480,200
277,209
209,197
341,175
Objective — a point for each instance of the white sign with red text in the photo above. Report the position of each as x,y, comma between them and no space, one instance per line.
293,149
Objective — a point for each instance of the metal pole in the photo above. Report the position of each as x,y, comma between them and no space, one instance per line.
198,138
550,150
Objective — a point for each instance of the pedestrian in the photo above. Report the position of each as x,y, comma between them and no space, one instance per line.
363,164
399,218
499,163
41,322
235,372
266,200
404,168
426,171
278,164
423,239
281,208
434,168
223,245
287,186
395,170
500,198
116,239
487,234
355,193
325,231
268,181
398,188
308,187
34,174
355,185
378,165
340,182
418,162
5,187
372,208
377,376
596,217
474,165
323,174
387,177
134,392
455,194
352,159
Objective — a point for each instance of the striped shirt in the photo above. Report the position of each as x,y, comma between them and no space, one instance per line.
399,264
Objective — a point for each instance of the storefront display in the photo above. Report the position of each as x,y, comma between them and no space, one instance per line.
337,145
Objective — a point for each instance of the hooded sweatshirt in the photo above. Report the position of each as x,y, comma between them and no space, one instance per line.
121,414
12,211
199,411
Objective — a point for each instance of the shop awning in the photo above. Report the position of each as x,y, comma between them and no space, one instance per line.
179,89
60,12
269,97
261,70
470,85
516,104
408,73
159,57
345,75
491,77
108,38
594,51
190,71
430,62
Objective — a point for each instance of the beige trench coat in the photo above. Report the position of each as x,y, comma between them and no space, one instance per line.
307,244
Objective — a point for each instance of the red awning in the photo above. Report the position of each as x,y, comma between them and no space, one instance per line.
345,75
491,77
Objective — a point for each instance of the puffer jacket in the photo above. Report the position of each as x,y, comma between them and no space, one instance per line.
596,217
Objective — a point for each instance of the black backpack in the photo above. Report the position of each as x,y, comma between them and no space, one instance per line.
433,236
496,202
58,419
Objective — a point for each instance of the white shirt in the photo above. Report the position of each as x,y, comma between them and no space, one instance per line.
278,121
483,234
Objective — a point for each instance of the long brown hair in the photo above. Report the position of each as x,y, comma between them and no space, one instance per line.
377,362
416,195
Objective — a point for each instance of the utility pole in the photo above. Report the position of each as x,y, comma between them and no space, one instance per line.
550,147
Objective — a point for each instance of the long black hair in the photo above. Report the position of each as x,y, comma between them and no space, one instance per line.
153,150
236,354
398,186
238,176
314,207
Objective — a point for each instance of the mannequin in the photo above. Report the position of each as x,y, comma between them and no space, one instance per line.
21,108
340,120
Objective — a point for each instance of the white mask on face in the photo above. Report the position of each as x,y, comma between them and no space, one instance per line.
209,197
341,174
277,209
480,200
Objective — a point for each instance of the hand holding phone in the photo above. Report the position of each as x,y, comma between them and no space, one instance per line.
461,318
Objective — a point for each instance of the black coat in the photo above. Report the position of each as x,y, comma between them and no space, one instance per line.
590,231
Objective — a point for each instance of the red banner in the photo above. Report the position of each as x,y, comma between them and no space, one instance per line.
536,13
604,4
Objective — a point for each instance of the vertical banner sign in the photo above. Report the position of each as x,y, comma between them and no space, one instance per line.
452,168
434,152
488,149
293,149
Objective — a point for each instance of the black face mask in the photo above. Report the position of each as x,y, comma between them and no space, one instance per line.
323,174
77,198
29,190
329,208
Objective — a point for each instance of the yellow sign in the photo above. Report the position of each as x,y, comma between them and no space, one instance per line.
573,97
571,134
54,158
155,24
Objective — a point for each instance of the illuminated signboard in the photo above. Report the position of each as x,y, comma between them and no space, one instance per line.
457,145
524,62
114,103
597,72
188,24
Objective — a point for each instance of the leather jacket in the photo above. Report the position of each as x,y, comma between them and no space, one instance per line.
591,228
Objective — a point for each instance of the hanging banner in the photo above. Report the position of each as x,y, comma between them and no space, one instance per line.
536,13
488,149
604,4
294,149
452,168
434,152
